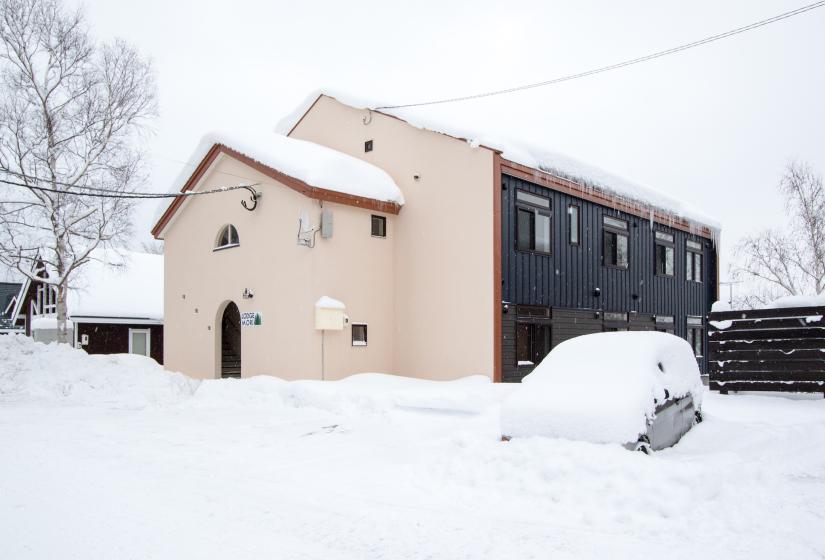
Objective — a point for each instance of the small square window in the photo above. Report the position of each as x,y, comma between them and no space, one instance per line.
359,334
368,146
379,226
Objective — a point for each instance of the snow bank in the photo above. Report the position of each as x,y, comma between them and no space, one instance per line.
59,373
51,372
550,161
797,301
316,165
601,387
377,392
258,391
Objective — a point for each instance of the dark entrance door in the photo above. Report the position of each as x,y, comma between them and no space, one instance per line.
231,341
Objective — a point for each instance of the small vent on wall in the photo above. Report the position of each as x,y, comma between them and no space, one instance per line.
368,146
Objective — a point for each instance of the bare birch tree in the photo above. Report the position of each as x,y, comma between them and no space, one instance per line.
71,114
789,262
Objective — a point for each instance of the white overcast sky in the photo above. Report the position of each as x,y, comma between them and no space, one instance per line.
714,125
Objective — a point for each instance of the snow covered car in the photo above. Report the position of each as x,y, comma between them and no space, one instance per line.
638,389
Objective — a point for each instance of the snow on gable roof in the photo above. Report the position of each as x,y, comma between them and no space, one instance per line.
312,164
118,284
549,161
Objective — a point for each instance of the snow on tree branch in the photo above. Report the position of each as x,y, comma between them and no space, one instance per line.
71,114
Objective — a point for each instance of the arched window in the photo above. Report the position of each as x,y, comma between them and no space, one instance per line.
228,238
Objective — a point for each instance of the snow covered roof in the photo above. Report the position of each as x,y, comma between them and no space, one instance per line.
118,284
536,157
312,164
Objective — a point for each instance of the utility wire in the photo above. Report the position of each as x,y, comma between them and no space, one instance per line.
104,193
617,65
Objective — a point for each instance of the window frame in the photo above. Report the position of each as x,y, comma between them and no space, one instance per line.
533,328
578,240
665,324
617,231
359,343
667,244
148,333
535,209
228,228
383,221
694,254
696,326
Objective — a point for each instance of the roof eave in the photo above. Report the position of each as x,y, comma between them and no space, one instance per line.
293,183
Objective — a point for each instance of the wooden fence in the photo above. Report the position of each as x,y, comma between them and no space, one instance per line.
767,350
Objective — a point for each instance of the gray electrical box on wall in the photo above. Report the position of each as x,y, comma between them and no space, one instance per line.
326,223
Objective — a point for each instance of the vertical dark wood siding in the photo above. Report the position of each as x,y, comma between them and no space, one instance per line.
569,276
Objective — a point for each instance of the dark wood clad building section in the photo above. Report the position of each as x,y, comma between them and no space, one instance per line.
768,350
105,338
573,281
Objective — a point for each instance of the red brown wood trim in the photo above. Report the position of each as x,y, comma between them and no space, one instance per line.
315,192
497,267
294,126
286,180
189,185
569,187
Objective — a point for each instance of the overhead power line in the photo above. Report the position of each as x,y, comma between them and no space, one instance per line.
618,65
108,193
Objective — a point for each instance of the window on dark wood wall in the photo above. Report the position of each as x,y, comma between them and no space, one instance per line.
532,343
573,224
616,243
695,335
696,340
533,223
665,254
693,261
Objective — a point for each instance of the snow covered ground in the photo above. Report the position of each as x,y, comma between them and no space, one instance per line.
109,457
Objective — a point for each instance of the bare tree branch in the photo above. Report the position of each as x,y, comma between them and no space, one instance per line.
71,113
791,262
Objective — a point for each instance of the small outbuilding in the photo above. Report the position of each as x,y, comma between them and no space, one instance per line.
115,305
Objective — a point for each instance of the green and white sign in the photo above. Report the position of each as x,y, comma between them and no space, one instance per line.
251,319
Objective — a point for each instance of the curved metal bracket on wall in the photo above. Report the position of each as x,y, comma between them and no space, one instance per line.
367,119
254,196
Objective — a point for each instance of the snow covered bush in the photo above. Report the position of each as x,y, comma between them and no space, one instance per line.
602,387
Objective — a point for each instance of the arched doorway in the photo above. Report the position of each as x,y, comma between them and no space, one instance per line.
231,341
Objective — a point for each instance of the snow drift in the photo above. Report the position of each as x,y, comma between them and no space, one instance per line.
602,387
59,373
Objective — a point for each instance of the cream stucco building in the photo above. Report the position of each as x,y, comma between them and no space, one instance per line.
414,251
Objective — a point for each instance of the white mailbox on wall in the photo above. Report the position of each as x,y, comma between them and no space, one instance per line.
329,314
